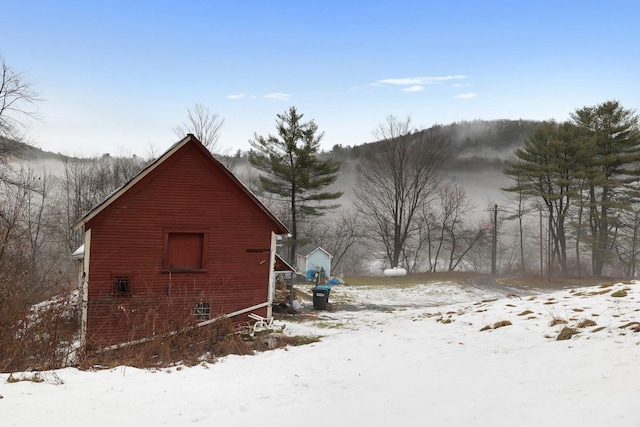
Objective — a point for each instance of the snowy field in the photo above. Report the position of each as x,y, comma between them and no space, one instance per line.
413,356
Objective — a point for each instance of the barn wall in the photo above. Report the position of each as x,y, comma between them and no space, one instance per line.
127,239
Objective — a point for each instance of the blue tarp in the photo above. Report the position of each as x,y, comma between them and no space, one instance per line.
311,275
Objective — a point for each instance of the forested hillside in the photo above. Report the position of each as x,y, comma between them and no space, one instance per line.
15,150
474,144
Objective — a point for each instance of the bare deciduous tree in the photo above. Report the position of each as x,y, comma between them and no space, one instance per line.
18,102
397,178
342,236
204,125
86,182
29,256
454,234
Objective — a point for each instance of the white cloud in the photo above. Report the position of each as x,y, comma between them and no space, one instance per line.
416,88
236,96
420,80
277,96
466,95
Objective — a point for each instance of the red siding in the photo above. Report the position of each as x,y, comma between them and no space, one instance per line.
189,192
185,250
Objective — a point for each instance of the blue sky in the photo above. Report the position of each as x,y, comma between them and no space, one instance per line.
119,76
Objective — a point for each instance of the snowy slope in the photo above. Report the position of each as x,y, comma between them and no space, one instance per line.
415,357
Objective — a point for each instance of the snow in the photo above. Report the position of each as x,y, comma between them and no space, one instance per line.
388,356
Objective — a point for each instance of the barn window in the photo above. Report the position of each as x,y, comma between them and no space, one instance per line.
185,250
121,285
203,311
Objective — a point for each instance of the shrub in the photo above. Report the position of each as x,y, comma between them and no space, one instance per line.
188,346
40,338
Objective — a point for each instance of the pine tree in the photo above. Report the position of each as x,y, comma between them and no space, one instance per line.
612,136
293,170
547,167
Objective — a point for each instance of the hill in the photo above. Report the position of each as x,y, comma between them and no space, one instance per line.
17,150
476,145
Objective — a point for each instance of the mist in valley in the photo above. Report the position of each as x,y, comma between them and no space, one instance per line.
478,149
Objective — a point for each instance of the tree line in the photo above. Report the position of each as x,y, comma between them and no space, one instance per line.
585,174
406,211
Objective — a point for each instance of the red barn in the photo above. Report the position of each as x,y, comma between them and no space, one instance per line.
182,242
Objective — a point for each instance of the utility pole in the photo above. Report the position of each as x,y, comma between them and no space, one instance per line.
549,250
494,245
541,263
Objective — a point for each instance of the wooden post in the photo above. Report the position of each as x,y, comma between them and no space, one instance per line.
494,246
541,263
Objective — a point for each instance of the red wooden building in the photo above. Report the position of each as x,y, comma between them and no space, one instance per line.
183,241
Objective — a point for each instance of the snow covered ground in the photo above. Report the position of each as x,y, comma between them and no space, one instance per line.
411,356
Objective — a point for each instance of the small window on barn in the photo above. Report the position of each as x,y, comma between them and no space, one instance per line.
121,285
203,311
185,250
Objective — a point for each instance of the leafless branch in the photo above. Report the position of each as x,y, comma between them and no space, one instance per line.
204,125
18,102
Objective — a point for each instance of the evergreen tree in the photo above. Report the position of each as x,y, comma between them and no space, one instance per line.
612,136
590,163
546,167
293,171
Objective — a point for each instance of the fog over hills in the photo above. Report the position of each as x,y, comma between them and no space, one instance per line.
479,148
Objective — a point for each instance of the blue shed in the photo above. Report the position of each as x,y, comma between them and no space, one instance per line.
311,258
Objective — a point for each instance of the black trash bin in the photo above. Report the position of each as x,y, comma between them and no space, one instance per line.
320,297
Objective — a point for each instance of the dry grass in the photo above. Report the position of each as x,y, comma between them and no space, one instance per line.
557,321
496,325
40,338
501,324
46,337
554,283
412,279
301,340
188,346
49,377
586,323
566,333
633,326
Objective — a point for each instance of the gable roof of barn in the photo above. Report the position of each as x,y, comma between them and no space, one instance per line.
279,228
